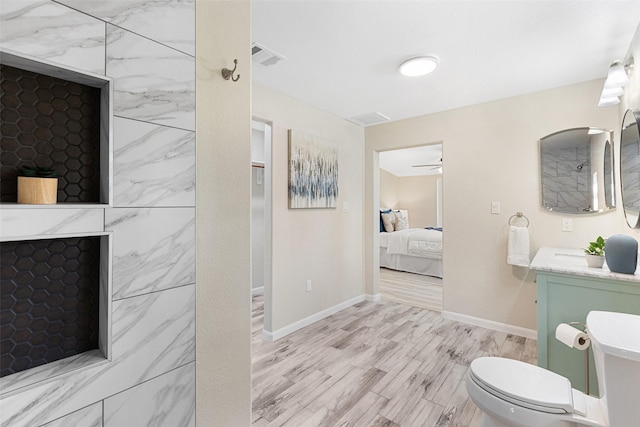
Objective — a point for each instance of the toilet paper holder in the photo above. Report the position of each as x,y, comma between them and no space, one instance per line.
582,343
583,328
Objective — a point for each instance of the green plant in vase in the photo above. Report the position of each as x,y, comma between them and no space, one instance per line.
595,253
39,172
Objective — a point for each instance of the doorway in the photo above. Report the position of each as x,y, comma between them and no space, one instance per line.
410,197
261,132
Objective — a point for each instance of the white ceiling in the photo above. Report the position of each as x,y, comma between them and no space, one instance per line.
343,56
401,162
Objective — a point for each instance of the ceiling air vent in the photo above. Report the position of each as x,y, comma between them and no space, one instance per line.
369,119
264,56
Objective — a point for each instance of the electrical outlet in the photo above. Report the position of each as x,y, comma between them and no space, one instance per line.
567,224
495,207
308,285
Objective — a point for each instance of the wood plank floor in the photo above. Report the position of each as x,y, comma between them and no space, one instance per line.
412,289
373,364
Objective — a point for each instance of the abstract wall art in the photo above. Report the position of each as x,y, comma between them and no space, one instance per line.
313,171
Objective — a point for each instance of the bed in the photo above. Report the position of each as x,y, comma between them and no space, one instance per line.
415,250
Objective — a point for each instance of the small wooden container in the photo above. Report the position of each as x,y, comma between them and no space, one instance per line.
37,191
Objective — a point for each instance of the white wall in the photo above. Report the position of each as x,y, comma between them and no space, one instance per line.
257,142
491,154
257,205
257,227
323,245
223,216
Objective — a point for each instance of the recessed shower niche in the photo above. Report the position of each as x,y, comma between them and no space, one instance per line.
60,118
55,285
55,298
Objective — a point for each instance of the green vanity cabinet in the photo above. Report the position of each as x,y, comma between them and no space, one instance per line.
567,294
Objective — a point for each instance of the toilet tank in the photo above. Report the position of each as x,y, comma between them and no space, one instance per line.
615,338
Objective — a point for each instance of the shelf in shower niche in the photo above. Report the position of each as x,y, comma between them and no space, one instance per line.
56,117
61,205
55,316
39,375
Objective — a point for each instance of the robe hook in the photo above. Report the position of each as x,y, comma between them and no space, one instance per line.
228,74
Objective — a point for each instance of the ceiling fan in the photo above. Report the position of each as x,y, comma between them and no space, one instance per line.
432,165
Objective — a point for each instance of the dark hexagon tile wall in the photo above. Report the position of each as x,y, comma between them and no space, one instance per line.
49,296
49,122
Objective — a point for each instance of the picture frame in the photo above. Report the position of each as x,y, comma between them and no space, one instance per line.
313,171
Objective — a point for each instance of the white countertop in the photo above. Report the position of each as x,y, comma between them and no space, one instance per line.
572,261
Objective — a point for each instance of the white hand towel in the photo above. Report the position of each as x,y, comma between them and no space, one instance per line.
518,246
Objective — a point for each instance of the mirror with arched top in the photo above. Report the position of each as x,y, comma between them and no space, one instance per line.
630,167
576,171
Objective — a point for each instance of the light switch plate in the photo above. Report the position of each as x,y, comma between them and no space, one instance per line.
567,224
495,207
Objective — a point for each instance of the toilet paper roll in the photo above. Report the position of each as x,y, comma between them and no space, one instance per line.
572,337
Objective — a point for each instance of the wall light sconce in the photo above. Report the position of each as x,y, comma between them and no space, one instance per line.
418,66
617,76
613,84
628,66
612,92
608,102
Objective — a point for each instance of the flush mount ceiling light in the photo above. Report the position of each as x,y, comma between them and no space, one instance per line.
418,66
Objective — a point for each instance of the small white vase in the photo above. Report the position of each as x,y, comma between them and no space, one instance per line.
595,261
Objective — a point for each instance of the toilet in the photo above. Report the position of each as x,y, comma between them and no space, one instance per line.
511,393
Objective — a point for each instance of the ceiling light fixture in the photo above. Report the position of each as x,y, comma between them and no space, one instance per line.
616,79
418,66
612,92
608,102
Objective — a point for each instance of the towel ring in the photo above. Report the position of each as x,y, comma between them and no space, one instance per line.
517,216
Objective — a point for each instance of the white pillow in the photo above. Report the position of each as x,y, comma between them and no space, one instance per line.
401,222
388,220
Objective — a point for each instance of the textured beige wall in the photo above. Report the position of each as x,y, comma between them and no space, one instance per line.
491,154
321,245
223,173
388,189
417,194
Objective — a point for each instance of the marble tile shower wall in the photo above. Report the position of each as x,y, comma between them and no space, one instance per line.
565,185
148,49
630,167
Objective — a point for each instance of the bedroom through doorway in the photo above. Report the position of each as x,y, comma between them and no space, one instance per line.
411,234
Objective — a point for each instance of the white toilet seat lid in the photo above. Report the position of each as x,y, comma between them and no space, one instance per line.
523,384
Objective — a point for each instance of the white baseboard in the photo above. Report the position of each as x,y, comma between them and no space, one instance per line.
276,335
257,291
490,324
372,298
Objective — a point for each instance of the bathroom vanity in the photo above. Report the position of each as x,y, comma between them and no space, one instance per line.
567,290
